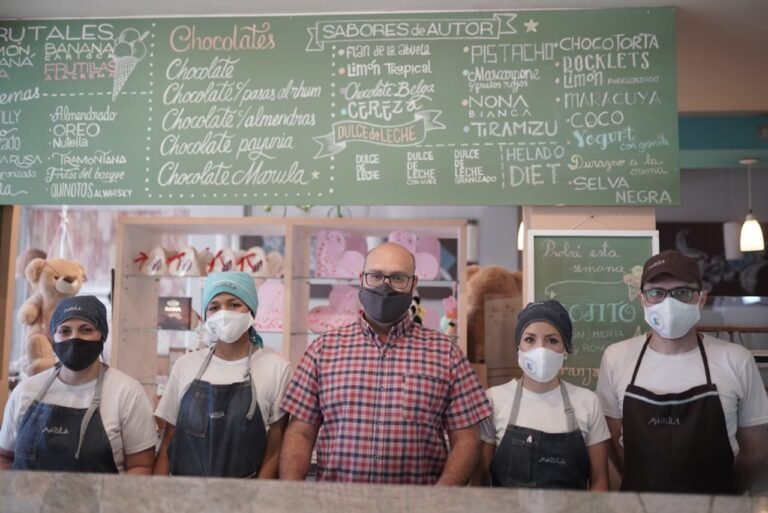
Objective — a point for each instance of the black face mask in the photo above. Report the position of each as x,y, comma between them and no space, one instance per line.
384,304
77,354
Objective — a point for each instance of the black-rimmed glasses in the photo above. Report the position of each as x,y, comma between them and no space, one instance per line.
397,281
683,294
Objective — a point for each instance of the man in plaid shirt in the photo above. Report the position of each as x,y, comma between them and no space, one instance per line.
384,390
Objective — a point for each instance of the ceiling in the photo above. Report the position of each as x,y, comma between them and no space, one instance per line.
722,45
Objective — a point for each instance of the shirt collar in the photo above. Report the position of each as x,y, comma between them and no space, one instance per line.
396,332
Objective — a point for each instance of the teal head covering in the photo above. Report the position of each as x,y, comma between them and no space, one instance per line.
240,285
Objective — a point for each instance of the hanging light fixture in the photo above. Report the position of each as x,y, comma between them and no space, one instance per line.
751,234
472,245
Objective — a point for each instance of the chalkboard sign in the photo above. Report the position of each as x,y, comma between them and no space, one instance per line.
517,107
596,276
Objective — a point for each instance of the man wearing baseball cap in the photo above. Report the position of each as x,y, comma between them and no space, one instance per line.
687,412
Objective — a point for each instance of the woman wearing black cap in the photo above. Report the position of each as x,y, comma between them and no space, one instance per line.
80,416
544,432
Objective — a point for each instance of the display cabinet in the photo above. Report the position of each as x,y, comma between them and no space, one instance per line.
317,269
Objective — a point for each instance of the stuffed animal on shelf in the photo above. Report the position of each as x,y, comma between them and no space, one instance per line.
450,315
421,314
494,297
417,312
51,280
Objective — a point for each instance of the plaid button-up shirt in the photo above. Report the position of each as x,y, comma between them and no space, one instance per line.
384,406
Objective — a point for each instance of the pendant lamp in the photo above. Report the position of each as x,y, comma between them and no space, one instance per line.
751,234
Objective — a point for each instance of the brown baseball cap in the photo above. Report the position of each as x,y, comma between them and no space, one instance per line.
673,263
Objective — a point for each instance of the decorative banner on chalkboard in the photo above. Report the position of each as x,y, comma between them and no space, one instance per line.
574,107
596,275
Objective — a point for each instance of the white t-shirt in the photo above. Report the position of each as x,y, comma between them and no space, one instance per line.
270,373
544,412
125,410
731,366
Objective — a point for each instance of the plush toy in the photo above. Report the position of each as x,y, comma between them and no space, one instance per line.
26,258
52,280
450,315
416,311
494,296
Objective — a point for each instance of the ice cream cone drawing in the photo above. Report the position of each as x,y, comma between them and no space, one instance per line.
128,52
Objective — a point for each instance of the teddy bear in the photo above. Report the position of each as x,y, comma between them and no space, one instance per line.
494,297
51,280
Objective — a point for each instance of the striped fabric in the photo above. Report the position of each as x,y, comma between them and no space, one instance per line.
384,407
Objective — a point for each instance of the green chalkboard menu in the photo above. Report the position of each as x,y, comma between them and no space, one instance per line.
596,276
548,107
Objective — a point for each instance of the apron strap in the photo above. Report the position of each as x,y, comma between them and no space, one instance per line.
201,370
252,407
570,416
48,382
640,358
516,403
704,359
205,363
95,402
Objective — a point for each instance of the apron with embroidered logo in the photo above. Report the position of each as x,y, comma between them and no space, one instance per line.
531,458
220,430
676,442
62,439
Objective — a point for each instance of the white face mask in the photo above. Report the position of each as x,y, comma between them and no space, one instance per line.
228,326
672,318
540,364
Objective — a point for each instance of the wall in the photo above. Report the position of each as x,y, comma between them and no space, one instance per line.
709,195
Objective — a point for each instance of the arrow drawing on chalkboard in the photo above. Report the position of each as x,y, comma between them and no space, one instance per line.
548,290
128,52
410,133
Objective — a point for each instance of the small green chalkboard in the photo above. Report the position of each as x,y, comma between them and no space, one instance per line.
596,276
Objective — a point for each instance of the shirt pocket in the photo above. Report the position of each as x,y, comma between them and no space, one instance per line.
424,398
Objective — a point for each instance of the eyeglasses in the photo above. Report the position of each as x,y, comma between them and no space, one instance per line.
397,281
683,294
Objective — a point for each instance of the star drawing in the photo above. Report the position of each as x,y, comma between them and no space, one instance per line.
530,25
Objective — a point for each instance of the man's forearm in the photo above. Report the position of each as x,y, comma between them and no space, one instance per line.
462,462
753,453
296,452
745,468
